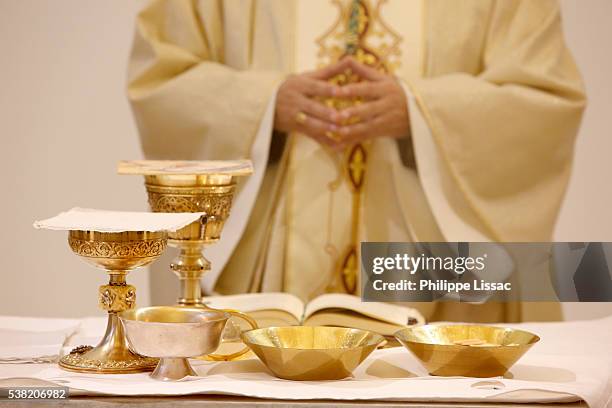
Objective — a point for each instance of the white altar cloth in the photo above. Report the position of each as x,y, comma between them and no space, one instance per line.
572,362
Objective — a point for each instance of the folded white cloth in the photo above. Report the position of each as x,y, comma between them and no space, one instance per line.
28,338
89,333
390,374
88,219
558,369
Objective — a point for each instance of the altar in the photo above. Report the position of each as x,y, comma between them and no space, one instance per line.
570,366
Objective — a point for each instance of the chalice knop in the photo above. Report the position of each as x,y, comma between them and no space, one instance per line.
117,253
193,186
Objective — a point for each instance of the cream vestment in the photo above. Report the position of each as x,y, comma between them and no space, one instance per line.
495,103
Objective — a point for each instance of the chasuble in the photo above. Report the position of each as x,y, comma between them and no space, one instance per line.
495,102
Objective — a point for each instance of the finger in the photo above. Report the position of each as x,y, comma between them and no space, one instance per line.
364,111
325,140
330,70
318,110
358,132
366,90
315,127
319,131
317,88
364,71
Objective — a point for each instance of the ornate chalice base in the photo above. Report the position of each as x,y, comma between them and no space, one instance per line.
117,253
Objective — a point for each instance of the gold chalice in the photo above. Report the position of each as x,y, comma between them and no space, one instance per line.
117,253
193,186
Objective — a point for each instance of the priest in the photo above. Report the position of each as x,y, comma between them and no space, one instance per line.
366,120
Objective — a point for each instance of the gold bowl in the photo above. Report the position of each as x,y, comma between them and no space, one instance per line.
466,350
311,353
173,333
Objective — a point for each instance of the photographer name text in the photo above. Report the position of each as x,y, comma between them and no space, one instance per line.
441,286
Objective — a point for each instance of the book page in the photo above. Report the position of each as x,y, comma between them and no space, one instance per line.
250,302
347,318
273,318
398,315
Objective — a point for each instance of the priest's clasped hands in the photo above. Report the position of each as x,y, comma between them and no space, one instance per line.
382,113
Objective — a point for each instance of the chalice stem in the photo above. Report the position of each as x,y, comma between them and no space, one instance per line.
189,267
114,345
115,297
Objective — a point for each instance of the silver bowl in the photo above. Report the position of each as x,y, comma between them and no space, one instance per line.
173,334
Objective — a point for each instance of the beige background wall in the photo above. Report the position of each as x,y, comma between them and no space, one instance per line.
64,123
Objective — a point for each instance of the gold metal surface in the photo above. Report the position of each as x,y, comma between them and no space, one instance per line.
173,333
205,191
232,356
466,350
117,253
214,200
211,194
300,118
311,353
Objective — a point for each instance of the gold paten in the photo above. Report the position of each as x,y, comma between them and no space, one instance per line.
311,353
209,189
117,253
437,349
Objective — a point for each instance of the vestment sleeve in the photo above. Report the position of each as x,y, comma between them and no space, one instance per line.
503,138
187,102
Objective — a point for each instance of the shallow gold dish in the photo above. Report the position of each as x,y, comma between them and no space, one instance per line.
311,353
443,351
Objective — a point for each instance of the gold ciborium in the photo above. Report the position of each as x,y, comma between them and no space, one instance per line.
186,186
117,253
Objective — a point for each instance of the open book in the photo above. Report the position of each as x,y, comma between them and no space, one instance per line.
284,309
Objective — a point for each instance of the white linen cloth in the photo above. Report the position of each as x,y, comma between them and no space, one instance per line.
573,361
29,338
88,219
